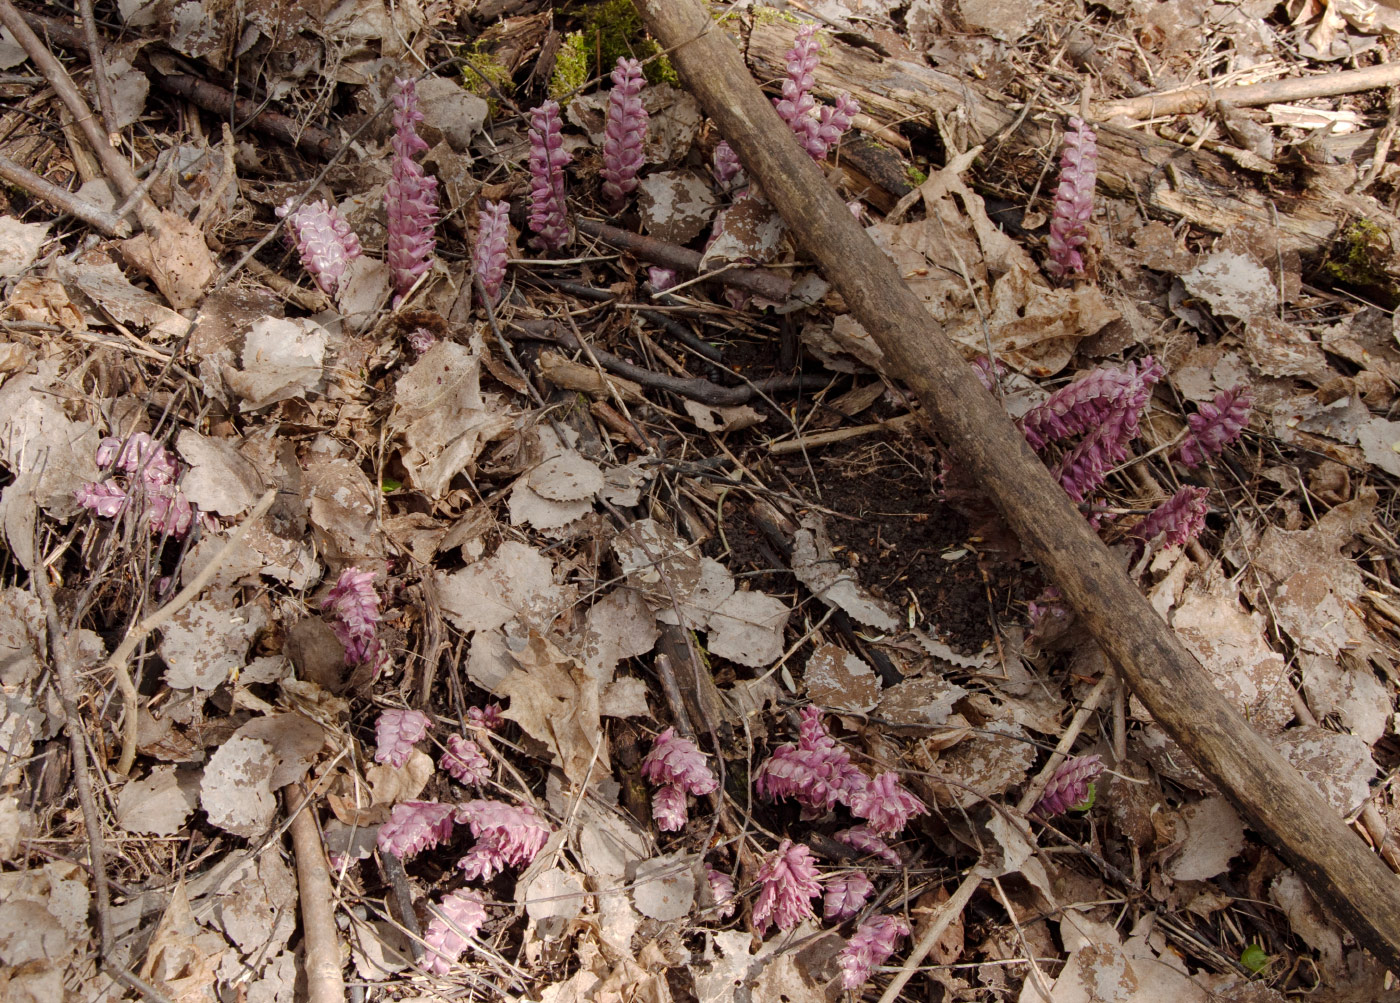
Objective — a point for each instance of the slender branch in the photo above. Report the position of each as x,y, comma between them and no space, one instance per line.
99,70
324,981
63,200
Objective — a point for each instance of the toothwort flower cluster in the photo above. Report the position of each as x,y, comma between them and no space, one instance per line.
862,838
788,877
547,161
323,239
354,606
154,471
843,896
679,768
490,717
458,916
1214,426
395,733
489,255
464,761
1074,200
411,198
623,133
721,890
1069,786
1178,520
726,165
818,130
871,945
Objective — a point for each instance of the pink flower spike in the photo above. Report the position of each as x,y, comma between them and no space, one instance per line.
548,212
1069,786
789,882
396,731
676,761
489,256
817,772
411,197
169,511
796,104
862,838
323,240
844,895
885,804
457,917
1074,200
506,836
490,717
661,279
727,168
463,759
415,826
1109,394
871,945
1178,520
668,808
722,891
624,133
1214,426
105,498
355,607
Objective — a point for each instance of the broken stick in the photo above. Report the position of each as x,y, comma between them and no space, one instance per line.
1279,804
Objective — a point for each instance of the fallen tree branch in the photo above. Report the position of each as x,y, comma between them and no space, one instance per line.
63,200
1349,880
321,955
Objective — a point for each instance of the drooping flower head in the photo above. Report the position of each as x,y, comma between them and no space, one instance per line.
151,472
864,839
871,945
721,890
354,608
506,836
624,133
415,826
789,881
1074,200
548,158
817,772
464,761
1178,520
1069,786
885,804
323,240
843,896
489,256
396,731
679,768
411,197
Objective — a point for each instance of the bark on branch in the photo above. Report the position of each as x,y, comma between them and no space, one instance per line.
1280,805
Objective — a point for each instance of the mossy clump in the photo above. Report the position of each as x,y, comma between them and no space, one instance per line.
1359,259
915,176
610,30
481,72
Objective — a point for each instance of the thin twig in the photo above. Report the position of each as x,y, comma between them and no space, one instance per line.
117,663
324,981
63,200
99,70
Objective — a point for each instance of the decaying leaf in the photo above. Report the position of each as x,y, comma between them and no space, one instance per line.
676,580
220,480
553,699
748,628
208,640
832,582
675,205
1213,835
281,359
19,244
664,886
160,802
236,793
840,680
517,581
183,955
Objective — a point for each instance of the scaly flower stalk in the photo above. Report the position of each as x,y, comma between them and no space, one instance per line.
548,213
624,133
323,240
1074,200
885,804
355,607
415,826
1178,520
1214,426
864,839
458,916
463,759
1092,400
817,130
679,768
788,877
411,198
843,896
1069,786
816,772
395,733
489,256
721,890
506,836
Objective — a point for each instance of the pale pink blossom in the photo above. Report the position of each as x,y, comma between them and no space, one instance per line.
862,838
1178,520
548,212
721,890
1106,395
661,279
676,760
106,498
1074,200
1069,786
506,836
816,772
463,760
844,895
668,808
885,804
396,731
415,826
871,946
354,608
166,508
411,197
789,881
457,917
489,256
727,168
623,133
420,339
489,717
323,239
1215,425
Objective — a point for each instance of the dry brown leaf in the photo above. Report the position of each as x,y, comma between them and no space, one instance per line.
838,679
43,301
390,784
220,480
1214,835
108,287
19,244
618,626
675,205
183,956
748,628
1339,766
341,505
517,581
176,258
158,803
985,765
207,641
43,914
924,701
555,700
833,583
281,359
664,887
235,792
566,477
671,572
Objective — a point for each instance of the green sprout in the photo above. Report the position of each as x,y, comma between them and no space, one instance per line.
1255,958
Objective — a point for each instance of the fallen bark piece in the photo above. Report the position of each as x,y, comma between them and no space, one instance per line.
1287,811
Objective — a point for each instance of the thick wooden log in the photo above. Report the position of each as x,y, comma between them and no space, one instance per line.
1278,803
